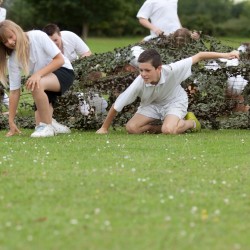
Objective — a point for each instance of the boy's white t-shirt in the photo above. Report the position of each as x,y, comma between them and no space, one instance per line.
42,52
162,13
167,90
73,46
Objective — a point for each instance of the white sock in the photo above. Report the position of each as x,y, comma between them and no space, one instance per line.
194,124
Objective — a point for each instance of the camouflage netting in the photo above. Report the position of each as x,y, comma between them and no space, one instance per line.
108,74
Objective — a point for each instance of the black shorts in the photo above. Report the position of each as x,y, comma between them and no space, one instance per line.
66,78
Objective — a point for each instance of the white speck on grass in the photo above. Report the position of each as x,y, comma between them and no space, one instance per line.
73,221
167,218
183,233
107,223
217,212
226,201
237,246
170,197
213,182
86,216
8,224
19,227
97,210
194,209
133,169
29,238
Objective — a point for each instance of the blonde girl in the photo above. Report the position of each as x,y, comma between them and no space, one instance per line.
49,73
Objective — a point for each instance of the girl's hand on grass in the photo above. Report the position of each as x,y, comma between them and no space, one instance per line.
13,130
102,131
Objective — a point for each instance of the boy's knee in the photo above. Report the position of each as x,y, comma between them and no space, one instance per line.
169,130
173,129
131,128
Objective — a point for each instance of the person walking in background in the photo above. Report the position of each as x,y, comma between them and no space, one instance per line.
49,73
70,44
3,12
162,96
160,17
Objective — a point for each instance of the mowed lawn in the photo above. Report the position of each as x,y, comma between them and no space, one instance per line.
120,191
100,45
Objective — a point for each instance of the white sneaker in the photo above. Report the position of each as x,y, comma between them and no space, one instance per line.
43,130
59,128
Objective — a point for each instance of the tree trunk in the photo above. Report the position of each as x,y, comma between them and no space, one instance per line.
85,30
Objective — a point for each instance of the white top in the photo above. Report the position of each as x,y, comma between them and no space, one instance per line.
5,100
2,14
42,51
135,53
162,13
73,46
236,84
167,90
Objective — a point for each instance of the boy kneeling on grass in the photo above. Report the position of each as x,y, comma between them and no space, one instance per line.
161,94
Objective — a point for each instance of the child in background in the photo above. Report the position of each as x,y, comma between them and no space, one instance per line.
70,44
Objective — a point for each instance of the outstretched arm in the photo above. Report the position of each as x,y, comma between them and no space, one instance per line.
214,55
108,121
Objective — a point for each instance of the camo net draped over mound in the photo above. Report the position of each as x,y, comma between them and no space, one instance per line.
108,74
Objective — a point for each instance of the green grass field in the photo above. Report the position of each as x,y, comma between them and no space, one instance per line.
100,45
119,191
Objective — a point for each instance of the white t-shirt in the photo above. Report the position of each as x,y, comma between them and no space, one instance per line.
2,14
167,90
162,13
73,46
42,51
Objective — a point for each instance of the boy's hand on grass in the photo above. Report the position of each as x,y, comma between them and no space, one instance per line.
102,131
